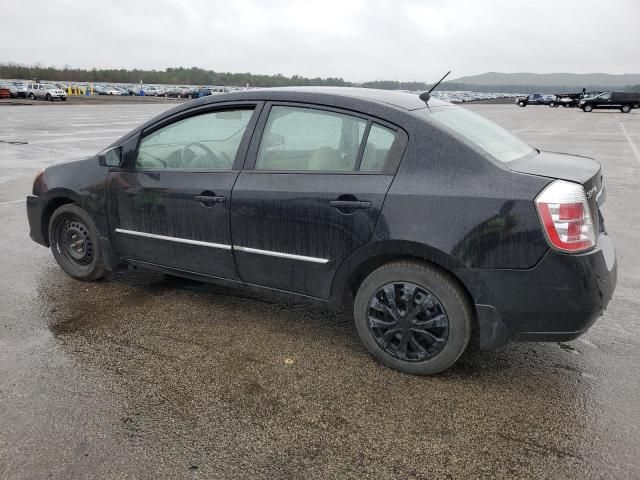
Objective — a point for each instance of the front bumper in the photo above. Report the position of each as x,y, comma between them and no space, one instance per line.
557,300
35,206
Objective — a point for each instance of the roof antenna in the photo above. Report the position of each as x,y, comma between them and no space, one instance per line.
425,96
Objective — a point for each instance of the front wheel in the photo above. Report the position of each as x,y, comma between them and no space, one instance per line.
412,317
587,108
625,108
521,104
75,243
32,96
552,104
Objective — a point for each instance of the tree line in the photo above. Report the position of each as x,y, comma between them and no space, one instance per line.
170,76
199,76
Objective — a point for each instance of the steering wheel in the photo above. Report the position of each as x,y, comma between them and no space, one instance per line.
147,154
207,151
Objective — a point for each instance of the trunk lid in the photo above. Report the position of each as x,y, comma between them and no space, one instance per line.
583,170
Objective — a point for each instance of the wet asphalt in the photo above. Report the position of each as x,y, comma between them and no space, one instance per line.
148,376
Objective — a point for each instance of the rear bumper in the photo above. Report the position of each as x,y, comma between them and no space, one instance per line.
34,215
557,300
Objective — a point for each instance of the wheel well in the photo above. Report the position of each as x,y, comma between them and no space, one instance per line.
365,268
358,275
48,210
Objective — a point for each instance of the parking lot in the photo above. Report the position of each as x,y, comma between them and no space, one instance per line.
147,376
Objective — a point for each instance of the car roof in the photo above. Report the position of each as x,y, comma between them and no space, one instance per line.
351,97
399,99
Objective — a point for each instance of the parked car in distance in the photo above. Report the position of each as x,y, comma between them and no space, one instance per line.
109,90
7,90
21,89
623,101
176,92
434,224
198,92
45,91
537,99
568,99
151,91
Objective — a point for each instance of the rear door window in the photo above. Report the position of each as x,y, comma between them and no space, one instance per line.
299,139
309,139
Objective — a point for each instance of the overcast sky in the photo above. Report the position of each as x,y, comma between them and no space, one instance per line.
356,40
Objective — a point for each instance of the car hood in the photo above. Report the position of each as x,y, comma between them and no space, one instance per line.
71,160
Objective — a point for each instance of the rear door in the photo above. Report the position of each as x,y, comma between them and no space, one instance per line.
169,205
311,194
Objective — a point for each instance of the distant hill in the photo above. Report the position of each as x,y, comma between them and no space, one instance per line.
546,80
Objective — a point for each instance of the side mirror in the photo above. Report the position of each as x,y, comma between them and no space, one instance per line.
274,140
111,157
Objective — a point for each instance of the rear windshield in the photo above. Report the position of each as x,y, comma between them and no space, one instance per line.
482,133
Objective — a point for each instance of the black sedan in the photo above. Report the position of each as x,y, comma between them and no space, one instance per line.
438,227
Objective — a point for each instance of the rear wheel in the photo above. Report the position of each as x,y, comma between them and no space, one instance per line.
521,104
32,96
552,104
75,243
625,108
588,108
412,317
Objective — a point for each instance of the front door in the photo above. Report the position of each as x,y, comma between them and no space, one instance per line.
170,206
313,196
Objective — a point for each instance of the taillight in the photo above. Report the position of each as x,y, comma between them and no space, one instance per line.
565,216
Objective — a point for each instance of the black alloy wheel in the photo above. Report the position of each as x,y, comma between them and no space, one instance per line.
408,322
413,317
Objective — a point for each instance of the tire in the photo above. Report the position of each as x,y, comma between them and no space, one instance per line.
521,104
552,104
32,96
48,98
447,310
70,223
625,108
587,108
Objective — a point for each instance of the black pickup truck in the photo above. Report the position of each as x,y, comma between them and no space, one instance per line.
536,99
623,101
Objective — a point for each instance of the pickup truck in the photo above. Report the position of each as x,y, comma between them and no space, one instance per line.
623,101
537,99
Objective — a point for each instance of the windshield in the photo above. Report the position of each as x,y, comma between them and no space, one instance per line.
482,133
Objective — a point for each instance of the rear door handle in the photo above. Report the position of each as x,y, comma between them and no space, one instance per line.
210,200
349,204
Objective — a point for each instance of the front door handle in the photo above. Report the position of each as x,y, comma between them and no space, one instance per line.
209,200
349,206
